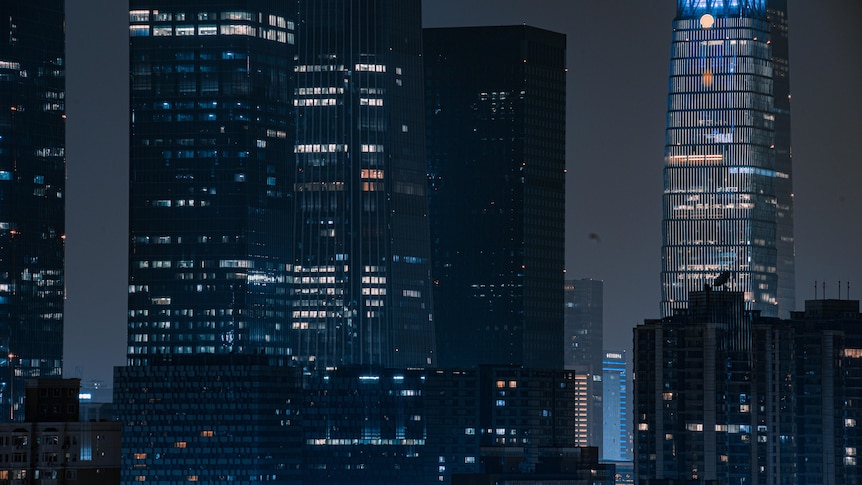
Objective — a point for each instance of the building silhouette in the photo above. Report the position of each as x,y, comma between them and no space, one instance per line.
724,394
495,123
727,202
360,283
32,205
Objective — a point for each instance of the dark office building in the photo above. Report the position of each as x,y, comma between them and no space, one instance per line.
495,124
583,317
496,410
32,196
727,204
726,395
365,426
210,216
209,419
545,466
210,178
361,286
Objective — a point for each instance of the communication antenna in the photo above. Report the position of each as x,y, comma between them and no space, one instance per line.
815,289
722,279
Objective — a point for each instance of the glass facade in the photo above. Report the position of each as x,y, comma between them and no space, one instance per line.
361,286
616,444
723,394
211,177
727,200
209,419
495,118
32,196
583,318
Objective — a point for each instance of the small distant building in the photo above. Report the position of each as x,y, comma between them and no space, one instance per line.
53,446
615,412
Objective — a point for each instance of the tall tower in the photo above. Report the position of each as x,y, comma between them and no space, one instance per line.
495,118
616,414
361,278
727,204
583,337
32,196
211,178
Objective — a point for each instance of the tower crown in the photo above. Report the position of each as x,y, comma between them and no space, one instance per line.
720,8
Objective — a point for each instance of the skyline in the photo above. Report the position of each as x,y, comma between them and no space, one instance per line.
607,110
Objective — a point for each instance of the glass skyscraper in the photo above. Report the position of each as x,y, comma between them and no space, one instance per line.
32,196
361,278
211,178
495,118
727,204
583,320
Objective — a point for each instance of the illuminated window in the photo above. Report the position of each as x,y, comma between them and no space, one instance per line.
180,444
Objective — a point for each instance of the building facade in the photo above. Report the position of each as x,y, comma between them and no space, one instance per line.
52,445
616,419
32,196
209,419
583,320
210,178
723,394
727,204
361,287
495,123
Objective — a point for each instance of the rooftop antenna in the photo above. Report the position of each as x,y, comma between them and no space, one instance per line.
815,289
722,279
824,290
839,289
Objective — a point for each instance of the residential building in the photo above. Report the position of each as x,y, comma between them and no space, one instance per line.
495,124
727,204
724,394
52,445
32,204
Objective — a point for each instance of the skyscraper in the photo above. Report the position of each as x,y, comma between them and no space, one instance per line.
211,178
210,224
32,196
727,204
583,317
278,220
361,278
495,118
616,419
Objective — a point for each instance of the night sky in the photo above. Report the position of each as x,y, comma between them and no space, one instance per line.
618,54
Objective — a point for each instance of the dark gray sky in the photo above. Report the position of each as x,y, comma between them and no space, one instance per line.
618,54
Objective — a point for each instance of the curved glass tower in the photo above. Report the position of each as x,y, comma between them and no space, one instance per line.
727,158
